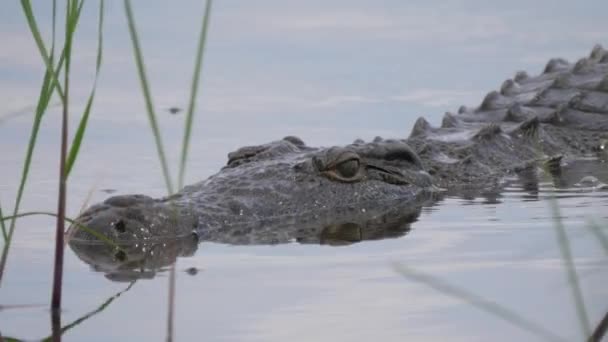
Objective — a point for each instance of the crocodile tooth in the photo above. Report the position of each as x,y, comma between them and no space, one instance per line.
556,64
421,127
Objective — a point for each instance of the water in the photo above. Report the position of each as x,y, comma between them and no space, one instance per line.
328,73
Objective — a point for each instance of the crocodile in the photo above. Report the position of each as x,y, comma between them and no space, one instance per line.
287,191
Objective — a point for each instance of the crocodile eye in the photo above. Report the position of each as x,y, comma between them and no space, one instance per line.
348,169
340,165
120,226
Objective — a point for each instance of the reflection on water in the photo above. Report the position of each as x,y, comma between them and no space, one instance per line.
329,72
144,259
57,330
392,219
498,246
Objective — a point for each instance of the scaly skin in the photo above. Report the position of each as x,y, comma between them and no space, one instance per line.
285,190
266,187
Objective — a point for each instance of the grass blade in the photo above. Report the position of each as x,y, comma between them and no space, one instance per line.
600,330
70,26
476,301
31,21
46,90
88,315
3,226
185,146
193,93
171,305
147,97
78,136
103,306
96,234
599,235
564,247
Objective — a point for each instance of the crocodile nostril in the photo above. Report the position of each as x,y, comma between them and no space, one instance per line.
120,255
120,226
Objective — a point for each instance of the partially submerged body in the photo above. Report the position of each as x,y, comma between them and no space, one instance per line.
287,191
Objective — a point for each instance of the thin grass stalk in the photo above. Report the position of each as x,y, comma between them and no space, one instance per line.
88,315
79,135
72,221
193,93
171,304
185,147
42,103
600,330
55,326
147,97
48,59
103,306
475,300
46,91
599,235
3,226
572,277
71,7
53,31
29,14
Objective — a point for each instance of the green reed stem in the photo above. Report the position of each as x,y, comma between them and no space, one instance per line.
72,221
88,315
600,330
564,247
70,27
139,61
476,301
78,136
103,306
46,90
599,235
31,20
193,93
3,226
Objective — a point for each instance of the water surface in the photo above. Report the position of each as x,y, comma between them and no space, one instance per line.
329,73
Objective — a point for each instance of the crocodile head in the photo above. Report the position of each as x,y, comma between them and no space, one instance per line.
266,187
131,218
149,258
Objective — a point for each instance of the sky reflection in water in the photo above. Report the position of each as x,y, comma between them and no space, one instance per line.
329,73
